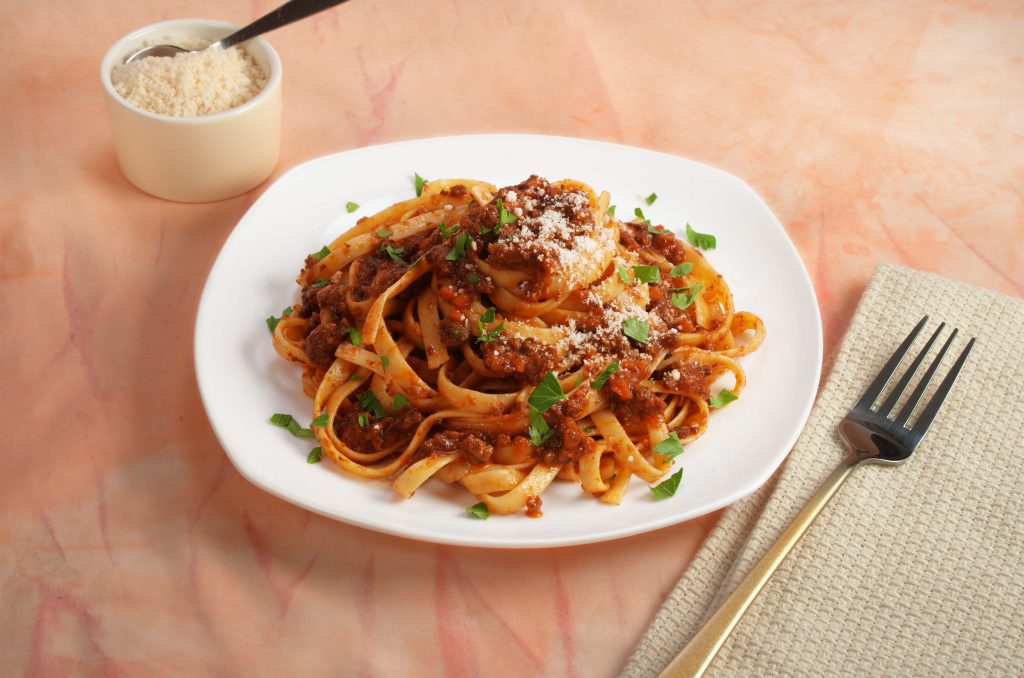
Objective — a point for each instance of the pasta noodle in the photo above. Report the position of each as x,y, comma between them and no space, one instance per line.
503,339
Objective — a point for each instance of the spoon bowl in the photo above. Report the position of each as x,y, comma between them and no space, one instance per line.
287,13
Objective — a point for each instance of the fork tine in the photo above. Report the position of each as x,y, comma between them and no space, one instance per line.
878,385
925,420
915,397
904,381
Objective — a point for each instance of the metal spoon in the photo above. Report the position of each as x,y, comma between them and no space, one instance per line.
285,14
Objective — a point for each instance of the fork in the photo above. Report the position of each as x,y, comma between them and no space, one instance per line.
872,437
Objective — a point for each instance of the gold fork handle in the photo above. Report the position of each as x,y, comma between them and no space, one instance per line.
695,658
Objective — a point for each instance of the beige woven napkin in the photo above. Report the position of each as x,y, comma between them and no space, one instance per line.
916,570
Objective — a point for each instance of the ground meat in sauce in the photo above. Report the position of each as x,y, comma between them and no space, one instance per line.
533,504
568,442
380,433
473,449
379,271
636,237
453,332
643,410
322,341
661,303
690,376
525,360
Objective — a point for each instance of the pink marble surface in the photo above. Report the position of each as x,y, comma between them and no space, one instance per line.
129,545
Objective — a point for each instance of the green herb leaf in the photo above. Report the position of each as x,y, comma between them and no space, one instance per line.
610,211
668,488
363,420
623,274
486,335
383,233
547,393
634,328
639,213
286,312
320,421
479,511
705,241
670,447
473,278
351,207
588,430
319,282
722,398
399,402
315,455
684,296
395,253
321,253
272,323
355,377
647,274
355,336
288,422
504,216
370,403
603,375
419,181
679,270
458,250
656,230
448,232
384,362
538,430
651,198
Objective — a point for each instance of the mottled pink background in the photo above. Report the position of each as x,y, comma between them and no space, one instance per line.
881,131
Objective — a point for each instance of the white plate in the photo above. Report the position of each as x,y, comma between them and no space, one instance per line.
242,381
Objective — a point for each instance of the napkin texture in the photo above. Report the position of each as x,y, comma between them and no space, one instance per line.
913,570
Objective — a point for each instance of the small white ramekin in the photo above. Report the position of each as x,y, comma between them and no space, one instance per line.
200,158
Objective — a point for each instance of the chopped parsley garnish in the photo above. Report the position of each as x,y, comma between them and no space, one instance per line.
504,216
610,211
647,274
355,336
656,230
351,207
603,375
288,422
651,198
538,429
722,398
668,488
547,393
670,447
363,420
447,232
634,328
383,233
679,270
479,511
588,430
458,250
705,241
640,215
384,362
321,253
473,278
419,183
395,253
370,403
319,282
355,377
486,335
684,296
320,421
623,274
286,312
315,455
272,323
399,402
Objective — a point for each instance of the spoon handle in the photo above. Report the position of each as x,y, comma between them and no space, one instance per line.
282,16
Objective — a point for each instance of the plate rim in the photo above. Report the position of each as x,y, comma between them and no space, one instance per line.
433,535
